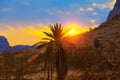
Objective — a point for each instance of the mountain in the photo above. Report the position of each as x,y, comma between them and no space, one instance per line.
21,47
116,10
4,45
108,34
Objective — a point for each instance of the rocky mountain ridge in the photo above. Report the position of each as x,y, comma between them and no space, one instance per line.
114,11
108,34
4,46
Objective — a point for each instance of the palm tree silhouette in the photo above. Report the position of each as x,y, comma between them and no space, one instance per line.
55,53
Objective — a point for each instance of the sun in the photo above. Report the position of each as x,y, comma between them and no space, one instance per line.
71,32
75,29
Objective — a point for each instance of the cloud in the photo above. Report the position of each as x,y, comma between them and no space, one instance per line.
92,21
102,6
81,9
108,5
89,9
94,13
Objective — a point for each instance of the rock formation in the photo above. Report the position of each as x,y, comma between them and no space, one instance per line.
116,10
4,45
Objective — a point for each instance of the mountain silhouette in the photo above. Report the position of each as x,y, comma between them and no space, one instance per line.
4,46
21,47
114,11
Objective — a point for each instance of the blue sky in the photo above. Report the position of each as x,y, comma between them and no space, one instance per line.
87,12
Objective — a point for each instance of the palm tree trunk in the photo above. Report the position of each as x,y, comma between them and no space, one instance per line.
51,71
61,64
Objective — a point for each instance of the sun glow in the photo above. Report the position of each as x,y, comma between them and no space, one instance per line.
29,34
75,29
71,32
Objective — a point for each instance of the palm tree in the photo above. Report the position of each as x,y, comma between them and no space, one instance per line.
55,52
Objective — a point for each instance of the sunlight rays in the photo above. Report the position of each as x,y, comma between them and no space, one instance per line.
75,29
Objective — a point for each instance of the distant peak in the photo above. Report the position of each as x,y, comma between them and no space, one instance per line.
115,11
4,44
117,4
2,36
117,0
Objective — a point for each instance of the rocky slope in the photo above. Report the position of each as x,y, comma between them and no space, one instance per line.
116,10
107,33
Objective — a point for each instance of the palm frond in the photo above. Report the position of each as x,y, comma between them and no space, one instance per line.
52,30
46,39
38,43
49,34
57,31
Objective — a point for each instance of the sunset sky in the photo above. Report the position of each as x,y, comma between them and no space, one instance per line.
22,21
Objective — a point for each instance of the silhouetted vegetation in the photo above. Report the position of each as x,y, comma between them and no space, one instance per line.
55,53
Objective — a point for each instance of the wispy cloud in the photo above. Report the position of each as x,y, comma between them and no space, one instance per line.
108,5
94,13
81,9
92,21
89,9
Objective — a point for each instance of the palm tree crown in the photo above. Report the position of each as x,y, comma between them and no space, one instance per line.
57,32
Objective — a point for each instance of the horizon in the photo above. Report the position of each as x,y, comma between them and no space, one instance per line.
23,21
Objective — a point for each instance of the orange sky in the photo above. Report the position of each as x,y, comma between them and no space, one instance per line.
28,35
